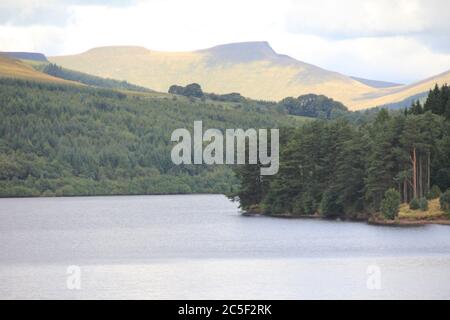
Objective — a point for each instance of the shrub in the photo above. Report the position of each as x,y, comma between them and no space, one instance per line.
414,204
434,193
423,204
444,201
390,204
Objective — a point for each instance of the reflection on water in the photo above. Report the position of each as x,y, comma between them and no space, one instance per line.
194,247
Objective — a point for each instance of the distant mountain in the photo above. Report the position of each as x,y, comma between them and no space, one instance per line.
407,102
394,95
377,83
26,56
253,69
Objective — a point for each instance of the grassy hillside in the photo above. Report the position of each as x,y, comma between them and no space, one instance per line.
13,68
398,94
87,79
376,83
58,139
252,69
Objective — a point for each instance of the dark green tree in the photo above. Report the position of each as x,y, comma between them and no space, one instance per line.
390,204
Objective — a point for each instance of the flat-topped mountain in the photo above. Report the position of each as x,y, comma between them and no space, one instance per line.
253,69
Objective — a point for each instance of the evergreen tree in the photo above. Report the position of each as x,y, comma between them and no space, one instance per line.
416,108
390,204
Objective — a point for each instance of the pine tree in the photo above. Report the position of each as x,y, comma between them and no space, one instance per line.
416,108
433,100
380,172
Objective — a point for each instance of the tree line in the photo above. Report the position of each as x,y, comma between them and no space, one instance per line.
308,105
67,74
339,168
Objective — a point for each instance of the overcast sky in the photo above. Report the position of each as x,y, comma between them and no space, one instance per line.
392,40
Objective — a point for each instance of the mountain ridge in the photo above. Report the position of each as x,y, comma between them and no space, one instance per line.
259,74
252,68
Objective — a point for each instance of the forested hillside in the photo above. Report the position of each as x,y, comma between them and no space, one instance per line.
66,74
75,140
335,168
17,69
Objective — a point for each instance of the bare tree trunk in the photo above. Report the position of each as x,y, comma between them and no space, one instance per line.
414,164
420,191
429,172
405,191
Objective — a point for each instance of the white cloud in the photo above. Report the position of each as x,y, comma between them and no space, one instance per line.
369,18
46,12
35,38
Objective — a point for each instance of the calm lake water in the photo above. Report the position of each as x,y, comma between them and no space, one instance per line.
200,247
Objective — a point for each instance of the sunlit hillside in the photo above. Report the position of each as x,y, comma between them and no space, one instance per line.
253,69
12,68
395,94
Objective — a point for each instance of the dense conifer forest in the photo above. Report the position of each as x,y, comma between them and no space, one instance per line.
74,140
338,168
64,140
66,74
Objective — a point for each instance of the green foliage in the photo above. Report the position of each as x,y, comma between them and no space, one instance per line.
307,204
339,168
315,157
312,105
228,97
416,108
329,206
253,186
63,73
423,204
195,90
434,193
438,101
346,165
444,201
390,204
72,140
414,204
191,90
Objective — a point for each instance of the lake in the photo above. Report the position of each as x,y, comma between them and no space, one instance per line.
201,247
